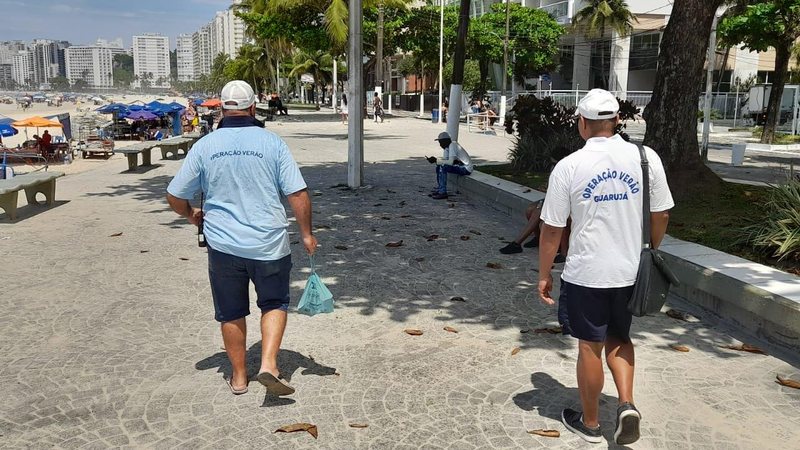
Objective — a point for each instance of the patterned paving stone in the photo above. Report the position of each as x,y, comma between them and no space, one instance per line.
110,341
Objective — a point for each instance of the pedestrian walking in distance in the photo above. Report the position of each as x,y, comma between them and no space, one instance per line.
600,188
244,171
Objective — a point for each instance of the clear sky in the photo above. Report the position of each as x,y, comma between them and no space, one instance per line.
83,21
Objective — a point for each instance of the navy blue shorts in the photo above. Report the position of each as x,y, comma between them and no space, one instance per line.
563,314
230,278
597,313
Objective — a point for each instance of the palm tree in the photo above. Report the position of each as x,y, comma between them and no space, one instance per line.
319,64
599,16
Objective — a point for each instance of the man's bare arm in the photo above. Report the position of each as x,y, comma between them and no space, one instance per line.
300,202
549,241
184,209
658,227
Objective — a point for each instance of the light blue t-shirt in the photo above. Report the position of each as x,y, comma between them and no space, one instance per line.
243,172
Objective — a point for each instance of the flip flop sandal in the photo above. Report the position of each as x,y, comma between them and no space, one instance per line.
235,391
275,386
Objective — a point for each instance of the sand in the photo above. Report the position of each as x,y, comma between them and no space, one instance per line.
82,107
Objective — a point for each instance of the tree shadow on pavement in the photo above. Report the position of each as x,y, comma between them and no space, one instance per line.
549,397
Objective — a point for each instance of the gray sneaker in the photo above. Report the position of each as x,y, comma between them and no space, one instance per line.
628,419
573,420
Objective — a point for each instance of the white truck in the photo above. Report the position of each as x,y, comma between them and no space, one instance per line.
759,99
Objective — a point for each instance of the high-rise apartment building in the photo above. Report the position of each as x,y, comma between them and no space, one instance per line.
92,64
151,60
224,34
10,48
6,79
185,57
201,51
22,69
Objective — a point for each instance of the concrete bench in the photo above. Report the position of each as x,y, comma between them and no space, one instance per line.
132,153
32,183
173,146
737,151
105,149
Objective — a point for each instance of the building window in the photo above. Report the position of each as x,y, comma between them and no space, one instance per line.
644,51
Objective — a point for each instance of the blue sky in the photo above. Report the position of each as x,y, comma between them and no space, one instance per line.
83,21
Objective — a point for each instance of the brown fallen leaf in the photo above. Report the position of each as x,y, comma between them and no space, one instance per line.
680,348
678,315
525,330
450,329
144,251
116,234
391,191
465,238
745,348
788,382
546,433
494,265
419,259
432,237
457,299
340,247
550,330
183,259
402,203
323,227
515,351
358,425
451,205
413,332
476,233
405,216
395,244
526,191
316,194
378,204
295,242
311,428
337,374
385,218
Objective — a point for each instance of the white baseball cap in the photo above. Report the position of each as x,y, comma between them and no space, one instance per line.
598,104
237,94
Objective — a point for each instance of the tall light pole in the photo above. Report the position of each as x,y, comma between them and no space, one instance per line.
454,113
441,56
712,53
379,51
355,85
505,69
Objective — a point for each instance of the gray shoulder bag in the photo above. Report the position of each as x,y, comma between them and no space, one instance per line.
654,277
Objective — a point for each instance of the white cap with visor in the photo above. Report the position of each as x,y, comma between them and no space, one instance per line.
237,94
598,104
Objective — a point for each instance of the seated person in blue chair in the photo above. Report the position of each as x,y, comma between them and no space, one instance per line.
454,160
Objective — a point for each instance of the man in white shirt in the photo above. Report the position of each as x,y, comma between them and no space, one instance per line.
600,188
454,160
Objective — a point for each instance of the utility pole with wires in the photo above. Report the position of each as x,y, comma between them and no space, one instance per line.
503,98
355,83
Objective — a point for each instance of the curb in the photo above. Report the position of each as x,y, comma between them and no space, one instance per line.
759,299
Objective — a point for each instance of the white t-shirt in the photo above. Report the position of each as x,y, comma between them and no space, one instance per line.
599,187
456,151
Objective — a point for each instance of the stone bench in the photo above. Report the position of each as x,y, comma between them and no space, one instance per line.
738,150
761,300
32,183
174,145
132,153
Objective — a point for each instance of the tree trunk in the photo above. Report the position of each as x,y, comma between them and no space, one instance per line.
671,115
379,49
483,67
782,55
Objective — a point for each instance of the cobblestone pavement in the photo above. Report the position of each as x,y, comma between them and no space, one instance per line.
110,341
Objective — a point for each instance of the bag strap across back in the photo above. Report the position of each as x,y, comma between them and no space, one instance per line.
645,198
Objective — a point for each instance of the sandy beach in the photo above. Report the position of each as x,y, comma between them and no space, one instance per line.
75,110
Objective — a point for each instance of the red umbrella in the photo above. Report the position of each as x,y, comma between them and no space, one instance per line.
212,103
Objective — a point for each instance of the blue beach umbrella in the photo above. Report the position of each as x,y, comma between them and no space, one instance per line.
141,115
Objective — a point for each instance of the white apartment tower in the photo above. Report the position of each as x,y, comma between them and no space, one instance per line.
185,55
151,60
22,68
224,34
201,51
91,64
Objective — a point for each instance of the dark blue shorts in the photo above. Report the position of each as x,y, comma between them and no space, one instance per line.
597,313
230,278
563,314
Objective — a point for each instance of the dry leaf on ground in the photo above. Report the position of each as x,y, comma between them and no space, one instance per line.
457,299
526,191
323,227
395,244
183,259
340,247
385,218
465,238
311,428
680,315
358,425
546,433
787,382
494,265
419,259
549,330
680,348
451,205
476,233
450,329
144,251
378,204
116,234
745,348
515,351
413,332
432,237
525,330
405,216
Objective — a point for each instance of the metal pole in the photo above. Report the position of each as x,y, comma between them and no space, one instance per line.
335,80
712,47
454,113
355,125
441,56
505,69
796,107
389,89
379,51
736,107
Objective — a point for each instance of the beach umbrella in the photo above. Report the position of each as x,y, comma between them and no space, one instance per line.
113,108
37,122
6,130
198,101
212,103
141,115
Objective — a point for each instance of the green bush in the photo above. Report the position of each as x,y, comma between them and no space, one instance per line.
778,231
547,131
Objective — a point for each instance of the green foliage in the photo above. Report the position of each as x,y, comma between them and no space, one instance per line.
777,230
599,16
80,85
302,26
761,24
123,70
546,131
59,83
419,34
472,76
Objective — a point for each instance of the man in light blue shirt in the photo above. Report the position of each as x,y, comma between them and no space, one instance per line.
243,171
